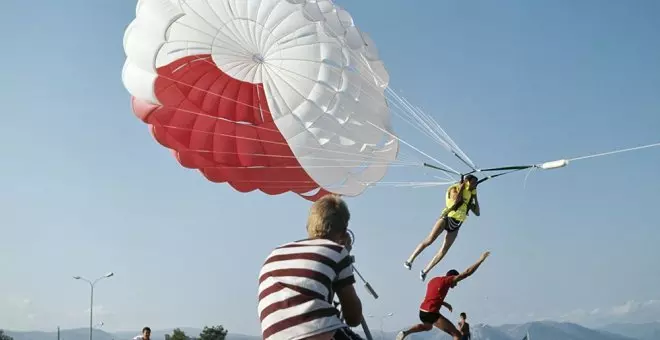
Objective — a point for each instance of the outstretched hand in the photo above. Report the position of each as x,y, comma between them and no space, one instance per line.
484,256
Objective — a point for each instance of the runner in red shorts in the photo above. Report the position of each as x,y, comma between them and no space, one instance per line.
436,291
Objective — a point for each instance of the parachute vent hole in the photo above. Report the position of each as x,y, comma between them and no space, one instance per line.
258,58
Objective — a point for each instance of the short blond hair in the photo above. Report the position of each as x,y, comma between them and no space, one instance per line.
328,215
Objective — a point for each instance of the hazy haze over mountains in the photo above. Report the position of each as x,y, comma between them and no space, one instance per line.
542,330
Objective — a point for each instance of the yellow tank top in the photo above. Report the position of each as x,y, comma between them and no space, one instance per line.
460,214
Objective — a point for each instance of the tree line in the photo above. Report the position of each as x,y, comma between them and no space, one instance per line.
208,333
4,336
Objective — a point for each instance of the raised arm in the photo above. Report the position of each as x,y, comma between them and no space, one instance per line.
472,268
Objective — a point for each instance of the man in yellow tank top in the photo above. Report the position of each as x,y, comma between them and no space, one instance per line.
461,198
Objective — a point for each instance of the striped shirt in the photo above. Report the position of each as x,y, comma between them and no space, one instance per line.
297,284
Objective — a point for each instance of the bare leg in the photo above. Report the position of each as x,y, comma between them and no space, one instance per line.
421,327
435,232
448,327
450,237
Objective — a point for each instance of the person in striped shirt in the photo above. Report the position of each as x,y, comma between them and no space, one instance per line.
299,280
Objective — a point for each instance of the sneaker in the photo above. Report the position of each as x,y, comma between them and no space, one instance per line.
400,336
422,275
408,265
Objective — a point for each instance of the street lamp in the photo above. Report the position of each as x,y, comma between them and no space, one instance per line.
382,318
91,300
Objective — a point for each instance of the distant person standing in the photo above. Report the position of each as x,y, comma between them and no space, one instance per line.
464,327
146,334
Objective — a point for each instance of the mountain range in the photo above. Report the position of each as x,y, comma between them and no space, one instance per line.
540,330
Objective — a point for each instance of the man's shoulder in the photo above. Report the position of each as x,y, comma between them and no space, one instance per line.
441,280
309,242
324,248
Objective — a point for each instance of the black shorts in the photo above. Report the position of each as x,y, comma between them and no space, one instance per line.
452,224
428,317
346,334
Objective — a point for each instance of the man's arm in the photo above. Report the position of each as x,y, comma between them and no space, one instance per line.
474,207
472,268
448,306
351,306
458,200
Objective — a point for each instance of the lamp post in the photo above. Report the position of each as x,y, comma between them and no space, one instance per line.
382,318
91,299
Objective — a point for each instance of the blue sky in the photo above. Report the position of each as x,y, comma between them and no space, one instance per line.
84,189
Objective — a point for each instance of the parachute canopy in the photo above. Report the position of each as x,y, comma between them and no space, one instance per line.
271,95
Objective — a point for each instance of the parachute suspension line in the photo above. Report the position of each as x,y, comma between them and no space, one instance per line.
396,104
378,127
549,165
275,143
398,163
508,169
527,176
411,117
502,174
449,148
405,156
444,170
261,155
410,111
434,127
448,169
614,152
251,106
418,118
254,126
454,147
306,184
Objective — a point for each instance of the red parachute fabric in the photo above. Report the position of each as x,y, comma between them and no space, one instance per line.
223,127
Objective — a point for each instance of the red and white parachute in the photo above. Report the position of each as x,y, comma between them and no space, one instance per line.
271,95
278,96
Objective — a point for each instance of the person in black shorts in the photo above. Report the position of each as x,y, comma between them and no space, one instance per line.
436,291
461,199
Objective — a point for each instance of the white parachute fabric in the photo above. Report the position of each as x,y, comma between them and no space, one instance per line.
322,77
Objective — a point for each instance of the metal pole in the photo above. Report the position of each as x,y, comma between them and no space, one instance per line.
365,329
91,299
91,309
382,333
